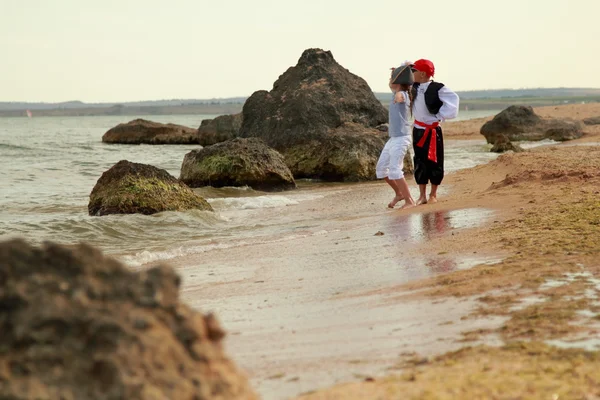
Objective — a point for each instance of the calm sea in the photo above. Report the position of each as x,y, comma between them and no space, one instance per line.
50,165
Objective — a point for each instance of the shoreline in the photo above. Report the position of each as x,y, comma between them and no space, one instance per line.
547,224
317,298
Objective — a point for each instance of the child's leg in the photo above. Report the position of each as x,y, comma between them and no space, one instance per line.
398,197
433,194
382,171
405,192
437,169
397,153
422,195
420,162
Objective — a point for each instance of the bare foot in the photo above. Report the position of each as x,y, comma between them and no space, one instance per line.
408,205
422,200
395,201
433,199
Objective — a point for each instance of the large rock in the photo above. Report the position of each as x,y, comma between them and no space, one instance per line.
237,162
563,130
129,188
592,121
521,123
220,129
319,103
78,325
141,131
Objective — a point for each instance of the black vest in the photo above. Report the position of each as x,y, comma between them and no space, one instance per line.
432,96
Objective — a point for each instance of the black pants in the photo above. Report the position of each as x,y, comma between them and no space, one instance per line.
427,171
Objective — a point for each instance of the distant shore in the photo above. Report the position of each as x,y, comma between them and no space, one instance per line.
186,109
234,107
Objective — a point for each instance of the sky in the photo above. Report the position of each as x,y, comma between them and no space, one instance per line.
127,50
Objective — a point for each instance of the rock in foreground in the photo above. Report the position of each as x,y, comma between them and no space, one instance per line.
78,325
220,129
130,188
521,123
141,131
237,162
319,102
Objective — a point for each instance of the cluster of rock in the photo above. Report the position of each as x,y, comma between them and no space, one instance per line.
78,325
319,121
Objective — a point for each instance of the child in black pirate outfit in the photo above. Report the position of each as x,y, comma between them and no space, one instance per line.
432,103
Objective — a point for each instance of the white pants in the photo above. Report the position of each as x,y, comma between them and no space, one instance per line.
391,159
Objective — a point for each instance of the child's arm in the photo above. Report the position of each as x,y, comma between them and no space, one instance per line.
451,101
399,97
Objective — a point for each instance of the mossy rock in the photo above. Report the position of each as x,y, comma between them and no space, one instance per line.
237,162
131,188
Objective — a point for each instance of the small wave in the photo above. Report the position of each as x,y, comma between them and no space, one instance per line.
146,256
258,202
14,147
251,203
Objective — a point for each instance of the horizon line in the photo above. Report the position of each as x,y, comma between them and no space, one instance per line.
247,96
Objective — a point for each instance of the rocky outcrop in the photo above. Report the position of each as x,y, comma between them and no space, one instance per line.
502,145
562,130
592,121
141,131
318,103
78,325
220,129
237,162
130,188
521,123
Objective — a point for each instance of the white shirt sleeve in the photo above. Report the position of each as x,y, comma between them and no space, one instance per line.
449,109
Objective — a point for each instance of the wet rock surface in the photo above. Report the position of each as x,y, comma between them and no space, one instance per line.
141,131
78,325
132,188
238,162
502,145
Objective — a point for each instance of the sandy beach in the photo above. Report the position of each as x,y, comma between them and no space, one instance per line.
357,292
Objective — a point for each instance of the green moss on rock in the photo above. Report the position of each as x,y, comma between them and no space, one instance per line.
237,162
130,188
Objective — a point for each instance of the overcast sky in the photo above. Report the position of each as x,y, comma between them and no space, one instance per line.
124,50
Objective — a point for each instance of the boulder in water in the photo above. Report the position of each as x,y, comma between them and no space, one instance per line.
237,162
79,325
521,123
130,188
219,129
141,131
592,121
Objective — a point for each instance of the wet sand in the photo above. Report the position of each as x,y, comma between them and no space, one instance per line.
352,288
305,312
547,223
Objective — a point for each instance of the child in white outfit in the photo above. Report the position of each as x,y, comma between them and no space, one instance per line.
391,160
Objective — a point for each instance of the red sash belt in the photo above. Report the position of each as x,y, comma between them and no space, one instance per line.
432,153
